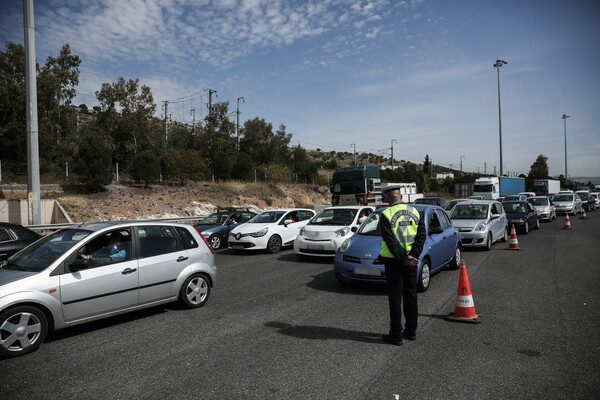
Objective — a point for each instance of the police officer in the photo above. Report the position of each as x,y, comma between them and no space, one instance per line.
403,234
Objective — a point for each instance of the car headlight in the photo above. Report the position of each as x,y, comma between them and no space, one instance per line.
345,245
480,227
260,233
342,231
301,232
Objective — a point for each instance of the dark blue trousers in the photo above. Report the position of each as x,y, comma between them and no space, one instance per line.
402,290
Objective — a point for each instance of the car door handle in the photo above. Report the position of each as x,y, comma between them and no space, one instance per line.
181,259
128,271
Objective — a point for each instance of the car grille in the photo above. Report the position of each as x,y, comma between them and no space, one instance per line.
326,252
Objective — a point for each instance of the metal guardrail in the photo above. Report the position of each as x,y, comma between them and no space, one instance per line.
55,227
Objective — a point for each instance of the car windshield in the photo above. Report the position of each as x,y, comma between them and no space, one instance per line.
563,197
213,219
335,216
584,196
538,201
371,226
515,208
267,217
511,198
427,200
42,253
469,211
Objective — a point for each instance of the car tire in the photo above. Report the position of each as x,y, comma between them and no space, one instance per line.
195,291
526,228
537,223
489,241
22,330
216,241
455,262
505,236
274,244
424,276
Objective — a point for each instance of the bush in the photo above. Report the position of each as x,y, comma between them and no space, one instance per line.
93,163
145,167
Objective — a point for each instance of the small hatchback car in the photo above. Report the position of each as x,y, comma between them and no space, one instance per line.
98,270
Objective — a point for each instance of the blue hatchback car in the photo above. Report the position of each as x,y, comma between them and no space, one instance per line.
216,227
357,260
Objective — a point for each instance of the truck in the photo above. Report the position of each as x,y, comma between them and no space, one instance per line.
360,184
544,187
498,186
408,191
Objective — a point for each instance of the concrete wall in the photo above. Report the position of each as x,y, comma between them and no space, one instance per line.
15,211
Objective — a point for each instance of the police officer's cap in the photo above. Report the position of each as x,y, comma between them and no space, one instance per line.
390,187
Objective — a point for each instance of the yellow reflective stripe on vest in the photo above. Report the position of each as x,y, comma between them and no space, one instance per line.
404,222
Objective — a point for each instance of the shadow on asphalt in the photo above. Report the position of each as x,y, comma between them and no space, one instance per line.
324,333
327,282
112,321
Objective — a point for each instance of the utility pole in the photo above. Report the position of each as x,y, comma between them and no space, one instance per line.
498,64
238,120
393,140
33,151
210,93
485,168
193,112
461,158
166,107
354,146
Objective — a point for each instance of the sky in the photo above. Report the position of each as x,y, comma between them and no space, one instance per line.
415,76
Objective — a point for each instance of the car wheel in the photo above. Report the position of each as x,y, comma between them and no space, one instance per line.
215,241
22,330
195,291
505,236
274,244
424,276
526,228
488,243
537,223
554,217
455,263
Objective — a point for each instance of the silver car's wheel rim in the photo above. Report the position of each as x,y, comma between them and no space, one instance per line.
20,331
197,290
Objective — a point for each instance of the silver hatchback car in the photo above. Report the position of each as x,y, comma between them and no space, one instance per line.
480,222
98,270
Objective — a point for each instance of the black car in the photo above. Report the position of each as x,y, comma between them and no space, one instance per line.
587,200
434,201
14,237
522,215
215,228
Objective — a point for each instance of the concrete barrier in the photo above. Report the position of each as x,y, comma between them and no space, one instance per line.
15,211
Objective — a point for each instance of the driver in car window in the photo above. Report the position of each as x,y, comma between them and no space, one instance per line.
114,247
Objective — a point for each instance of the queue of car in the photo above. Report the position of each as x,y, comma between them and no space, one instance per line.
97,270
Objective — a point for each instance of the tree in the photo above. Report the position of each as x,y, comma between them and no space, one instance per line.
538,170
145,167
264,146
93,164
243,168
302,166
427,165
182,165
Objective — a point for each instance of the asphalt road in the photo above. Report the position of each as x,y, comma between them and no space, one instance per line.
276,327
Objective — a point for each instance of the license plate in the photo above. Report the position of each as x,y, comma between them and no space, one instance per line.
314,247
237,246
367,271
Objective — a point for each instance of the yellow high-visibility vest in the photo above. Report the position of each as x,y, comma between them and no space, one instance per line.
404,221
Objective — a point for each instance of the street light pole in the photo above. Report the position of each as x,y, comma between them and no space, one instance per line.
354,147
393,140
564,118
498,64
238,120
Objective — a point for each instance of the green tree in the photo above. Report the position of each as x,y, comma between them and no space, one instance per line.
243,167
222,165
262,144
427,165
182,165
93,164
145,167
538,170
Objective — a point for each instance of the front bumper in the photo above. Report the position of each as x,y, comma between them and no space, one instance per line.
351,269
474,239
317,248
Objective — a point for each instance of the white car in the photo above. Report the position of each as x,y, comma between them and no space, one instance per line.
322,236
596,196
270,230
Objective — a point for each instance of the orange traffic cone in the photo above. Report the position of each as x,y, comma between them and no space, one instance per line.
584,215
513,243
465,308
567,222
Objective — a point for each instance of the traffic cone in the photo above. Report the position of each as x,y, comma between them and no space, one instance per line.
513,243
567,222
465,308
584,215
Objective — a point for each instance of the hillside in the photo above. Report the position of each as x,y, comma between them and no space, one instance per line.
121,202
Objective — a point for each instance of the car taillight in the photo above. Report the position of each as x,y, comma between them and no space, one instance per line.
205,242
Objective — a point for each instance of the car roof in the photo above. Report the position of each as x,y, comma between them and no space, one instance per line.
348,207
472,201
98,226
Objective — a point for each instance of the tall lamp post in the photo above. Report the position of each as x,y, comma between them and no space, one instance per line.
498,64
393,140
564,118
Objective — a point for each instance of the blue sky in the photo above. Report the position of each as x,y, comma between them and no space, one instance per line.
362,72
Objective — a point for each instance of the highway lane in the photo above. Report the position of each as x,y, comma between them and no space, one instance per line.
278,327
